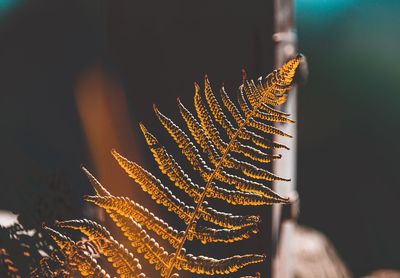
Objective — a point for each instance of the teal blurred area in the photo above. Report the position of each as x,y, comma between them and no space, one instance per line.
7,5
349,125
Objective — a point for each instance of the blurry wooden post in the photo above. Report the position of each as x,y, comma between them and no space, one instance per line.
282,216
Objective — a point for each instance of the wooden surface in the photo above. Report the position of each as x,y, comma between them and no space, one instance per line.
315,256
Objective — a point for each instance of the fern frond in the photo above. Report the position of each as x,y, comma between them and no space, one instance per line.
234,142
51,267
78,259
45,268
163,195
122,260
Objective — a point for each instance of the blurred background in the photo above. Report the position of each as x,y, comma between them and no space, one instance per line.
76,77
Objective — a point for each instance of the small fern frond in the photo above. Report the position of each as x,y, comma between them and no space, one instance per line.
122,260
78,259
52,266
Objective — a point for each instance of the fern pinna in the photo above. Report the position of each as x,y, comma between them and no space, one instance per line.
227,167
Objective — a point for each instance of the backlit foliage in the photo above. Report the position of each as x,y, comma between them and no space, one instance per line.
225,143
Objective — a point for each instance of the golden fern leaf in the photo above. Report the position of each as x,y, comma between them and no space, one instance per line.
78,259
233,160
123,261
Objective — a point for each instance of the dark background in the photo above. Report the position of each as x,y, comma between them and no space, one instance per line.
78,76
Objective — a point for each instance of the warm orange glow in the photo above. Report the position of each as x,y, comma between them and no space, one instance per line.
105,120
